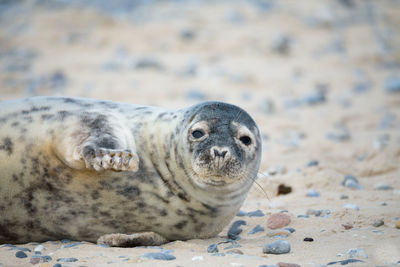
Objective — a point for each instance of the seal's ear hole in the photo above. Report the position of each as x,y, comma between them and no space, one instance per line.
245,140
198,134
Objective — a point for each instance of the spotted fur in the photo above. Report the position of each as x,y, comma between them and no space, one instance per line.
78,169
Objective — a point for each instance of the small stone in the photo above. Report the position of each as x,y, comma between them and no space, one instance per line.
187,34
39,248
279,232
284,189
64,241
351,206
241,213
277,247
384,187
256,229
347,226
257,213
392,85
71,245
197,258
303,216
21,254
340,134
344,197
356,253
235,229
278,220
20,249
350,181
308,239
235,251
378,223
397,224
312,193
158,256
57,265
313,163
67,259
281,44
290,229
318,213
212,248
147,63
344,262
39,259
285,264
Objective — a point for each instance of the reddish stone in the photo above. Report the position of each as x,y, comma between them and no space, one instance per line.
278,220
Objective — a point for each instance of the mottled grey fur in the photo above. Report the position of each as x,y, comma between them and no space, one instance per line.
78,169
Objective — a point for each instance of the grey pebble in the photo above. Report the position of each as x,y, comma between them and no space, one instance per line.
392,85
384,187
57,265
290,229
344,262
71,245
235,229
67,259
218,254
378,223
312,193
21,254
158,256
319,213
340,134
281,44
147,63
241,213
277,247
187,34
356,253
65,241
103,245
256,229
212,248
351,206
312,163
257,213
350,181
303,216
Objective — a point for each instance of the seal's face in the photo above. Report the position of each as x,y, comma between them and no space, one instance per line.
224,145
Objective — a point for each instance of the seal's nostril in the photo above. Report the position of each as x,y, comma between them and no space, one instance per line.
217,153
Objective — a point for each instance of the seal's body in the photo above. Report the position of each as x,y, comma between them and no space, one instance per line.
79,169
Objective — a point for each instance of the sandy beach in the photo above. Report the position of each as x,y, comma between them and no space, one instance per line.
320,78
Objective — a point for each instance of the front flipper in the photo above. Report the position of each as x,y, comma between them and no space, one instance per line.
110,159
97,142
133,240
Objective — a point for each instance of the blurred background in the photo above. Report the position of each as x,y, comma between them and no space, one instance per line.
315,70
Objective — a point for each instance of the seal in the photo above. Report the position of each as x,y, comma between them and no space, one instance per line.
122,174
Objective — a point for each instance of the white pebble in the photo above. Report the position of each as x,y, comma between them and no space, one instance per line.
197,258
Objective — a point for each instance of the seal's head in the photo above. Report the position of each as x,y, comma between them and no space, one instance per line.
224,145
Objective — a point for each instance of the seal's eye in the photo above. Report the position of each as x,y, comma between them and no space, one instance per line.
198,134
245,140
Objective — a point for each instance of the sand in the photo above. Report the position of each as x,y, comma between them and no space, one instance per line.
314,74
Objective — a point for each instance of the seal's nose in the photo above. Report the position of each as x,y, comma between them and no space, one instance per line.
219,152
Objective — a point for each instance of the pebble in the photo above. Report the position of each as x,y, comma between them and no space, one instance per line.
256,229
257,213
347,226
362,87
241,213
20,249
158,256
278,220
308,239
340,134
35,259
284,189
147,63
344,262
235,229
67,259
281,44
57,265
212,248
71,245
286,264
318,213
39,248
303,216
21,254
397,224
351,206
197,258
312,193
290,229
356,253
313,163
392,85
378,223
344,197
279,233
384,187
277,247
350,181
187,34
